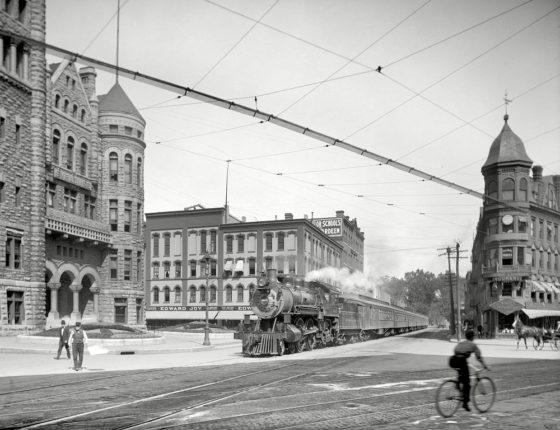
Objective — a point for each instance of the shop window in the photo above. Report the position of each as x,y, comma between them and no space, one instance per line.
506,289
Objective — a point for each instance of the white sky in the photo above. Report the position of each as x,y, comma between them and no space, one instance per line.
461,55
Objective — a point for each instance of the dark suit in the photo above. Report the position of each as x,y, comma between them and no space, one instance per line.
64,334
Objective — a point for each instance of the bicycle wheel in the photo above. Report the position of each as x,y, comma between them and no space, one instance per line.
448,398
483,394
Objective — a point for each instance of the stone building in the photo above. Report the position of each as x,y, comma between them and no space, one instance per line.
71,190
181,245
515,254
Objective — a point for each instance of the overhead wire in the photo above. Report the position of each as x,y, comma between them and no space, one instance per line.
351,60
448,75
236,44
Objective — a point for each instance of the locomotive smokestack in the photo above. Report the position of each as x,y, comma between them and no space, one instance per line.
271,275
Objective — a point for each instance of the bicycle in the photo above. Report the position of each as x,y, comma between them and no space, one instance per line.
449,396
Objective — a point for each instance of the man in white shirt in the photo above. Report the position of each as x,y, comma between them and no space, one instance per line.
78,338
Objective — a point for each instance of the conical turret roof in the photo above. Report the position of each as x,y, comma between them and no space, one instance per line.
507,148
116,100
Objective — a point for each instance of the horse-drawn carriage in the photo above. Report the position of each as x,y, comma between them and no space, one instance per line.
540,336
550,337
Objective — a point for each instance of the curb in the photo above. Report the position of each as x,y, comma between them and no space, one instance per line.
121,351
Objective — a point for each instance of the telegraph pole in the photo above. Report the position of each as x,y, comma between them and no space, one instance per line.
452,311
457,256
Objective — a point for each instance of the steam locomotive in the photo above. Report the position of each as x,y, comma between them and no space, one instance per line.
295,315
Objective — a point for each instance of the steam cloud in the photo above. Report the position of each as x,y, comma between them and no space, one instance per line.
353,283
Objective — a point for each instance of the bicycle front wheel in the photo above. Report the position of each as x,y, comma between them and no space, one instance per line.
484,394
448,398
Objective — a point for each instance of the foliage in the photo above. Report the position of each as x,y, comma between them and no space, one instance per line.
422,292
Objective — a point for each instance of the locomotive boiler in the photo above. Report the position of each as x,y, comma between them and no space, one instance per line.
295,315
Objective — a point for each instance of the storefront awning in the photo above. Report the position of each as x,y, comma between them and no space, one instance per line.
228,265
540,313
506,306
536,286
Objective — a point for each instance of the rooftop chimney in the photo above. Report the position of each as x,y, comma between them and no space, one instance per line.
340,214
537,173
288,216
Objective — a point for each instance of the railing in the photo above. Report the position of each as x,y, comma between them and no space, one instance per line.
77,226
523,269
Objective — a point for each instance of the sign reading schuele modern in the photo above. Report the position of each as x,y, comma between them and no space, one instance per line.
329,226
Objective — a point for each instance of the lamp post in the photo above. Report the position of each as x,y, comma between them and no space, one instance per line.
206,292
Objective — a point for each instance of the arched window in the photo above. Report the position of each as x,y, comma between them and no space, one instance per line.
139,173
70,153
192,294
156,295
66,105
492,192
202,294
213,294
229,292
240,293
251,291
83,159
113,167
83,115
56,146
523,189
57,101
508,189
166,294
128,169
177,298
74,111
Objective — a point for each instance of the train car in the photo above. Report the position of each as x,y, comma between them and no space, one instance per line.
294,315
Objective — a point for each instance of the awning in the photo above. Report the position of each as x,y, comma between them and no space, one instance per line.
539,313
535,286
545,286
239,266
506,306
228,265
554,288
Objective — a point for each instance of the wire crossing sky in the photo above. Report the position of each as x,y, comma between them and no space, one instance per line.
419,82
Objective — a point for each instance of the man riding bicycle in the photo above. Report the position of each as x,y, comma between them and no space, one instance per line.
458,361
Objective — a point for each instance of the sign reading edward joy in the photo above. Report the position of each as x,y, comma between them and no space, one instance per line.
330,226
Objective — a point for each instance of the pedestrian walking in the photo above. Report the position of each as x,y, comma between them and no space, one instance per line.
78,338
63,336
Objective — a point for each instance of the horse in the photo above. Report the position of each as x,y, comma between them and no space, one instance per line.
523,332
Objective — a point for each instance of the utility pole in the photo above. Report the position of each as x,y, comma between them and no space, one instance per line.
457,256
452,312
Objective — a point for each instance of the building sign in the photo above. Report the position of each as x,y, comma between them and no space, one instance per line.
198,308
329,226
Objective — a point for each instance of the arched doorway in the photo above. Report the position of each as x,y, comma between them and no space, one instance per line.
86,297
65,304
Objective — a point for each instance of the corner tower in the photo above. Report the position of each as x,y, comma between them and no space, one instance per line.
121,129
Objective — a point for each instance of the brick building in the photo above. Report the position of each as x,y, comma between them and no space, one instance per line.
515,254
71,187
182,244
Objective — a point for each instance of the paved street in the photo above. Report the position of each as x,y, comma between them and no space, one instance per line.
386,383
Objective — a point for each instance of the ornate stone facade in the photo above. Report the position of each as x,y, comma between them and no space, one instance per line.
71,188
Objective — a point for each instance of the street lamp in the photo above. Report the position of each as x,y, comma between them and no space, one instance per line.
206,292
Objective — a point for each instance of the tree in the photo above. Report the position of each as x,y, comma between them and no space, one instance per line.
396,289
421,290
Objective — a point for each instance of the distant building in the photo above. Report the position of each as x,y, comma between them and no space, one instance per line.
238,251
349,235
515,255
71,188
